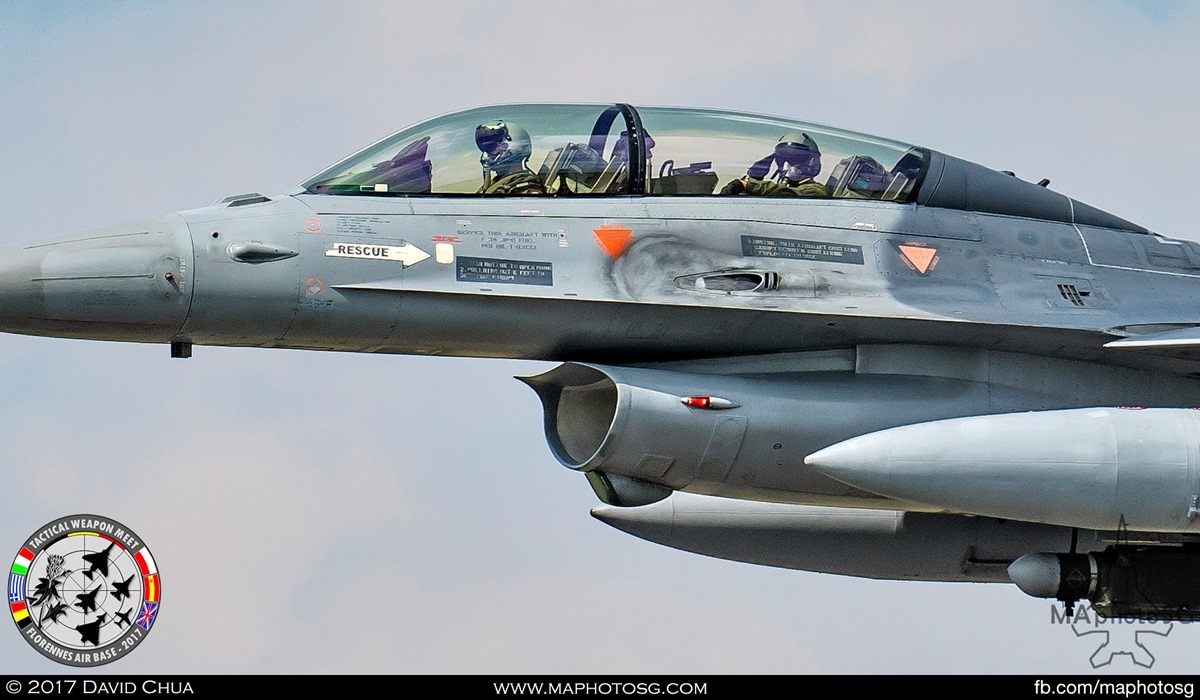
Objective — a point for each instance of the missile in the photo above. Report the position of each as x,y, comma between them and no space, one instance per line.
1096,468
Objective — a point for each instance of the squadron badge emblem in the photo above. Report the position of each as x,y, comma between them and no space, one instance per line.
84,590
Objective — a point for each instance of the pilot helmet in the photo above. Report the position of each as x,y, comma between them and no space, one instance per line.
504,145
798,156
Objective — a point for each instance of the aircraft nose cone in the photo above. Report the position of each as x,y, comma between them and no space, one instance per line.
126,283
20,300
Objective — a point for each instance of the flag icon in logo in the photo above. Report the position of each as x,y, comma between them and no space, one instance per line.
16,588
21,563
146,616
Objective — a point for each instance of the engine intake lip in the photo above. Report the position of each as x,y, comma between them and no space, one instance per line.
580,409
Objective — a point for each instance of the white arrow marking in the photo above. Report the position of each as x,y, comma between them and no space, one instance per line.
407,254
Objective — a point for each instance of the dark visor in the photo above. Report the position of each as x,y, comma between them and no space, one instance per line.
489,136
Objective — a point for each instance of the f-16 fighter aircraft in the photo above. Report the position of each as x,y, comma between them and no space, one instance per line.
881,360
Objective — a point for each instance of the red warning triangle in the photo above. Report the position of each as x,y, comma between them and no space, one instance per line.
612,240
920,257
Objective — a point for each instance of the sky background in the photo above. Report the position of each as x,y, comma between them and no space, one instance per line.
322,512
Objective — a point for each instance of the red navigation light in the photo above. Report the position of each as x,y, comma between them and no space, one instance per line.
713,403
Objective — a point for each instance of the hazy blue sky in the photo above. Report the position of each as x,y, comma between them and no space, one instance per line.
316,512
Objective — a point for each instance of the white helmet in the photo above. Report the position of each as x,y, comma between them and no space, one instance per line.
504,144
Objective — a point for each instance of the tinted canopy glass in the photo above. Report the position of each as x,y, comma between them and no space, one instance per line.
699,152
537,150
507,150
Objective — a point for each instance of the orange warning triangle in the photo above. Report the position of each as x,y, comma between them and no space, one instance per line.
921,257
612,240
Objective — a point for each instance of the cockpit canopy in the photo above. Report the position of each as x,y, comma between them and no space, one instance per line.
606,150
615,149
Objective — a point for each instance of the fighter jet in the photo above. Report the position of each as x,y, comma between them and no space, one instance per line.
120,589
98,562
86,601
781,343
90,632
122,618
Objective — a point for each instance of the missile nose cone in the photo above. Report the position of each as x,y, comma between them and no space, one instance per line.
1037,574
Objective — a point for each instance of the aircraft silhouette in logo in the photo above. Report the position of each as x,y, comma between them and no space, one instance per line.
98,561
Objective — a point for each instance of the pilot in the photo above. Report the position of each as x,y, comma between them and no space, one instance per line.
506,150
797,160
